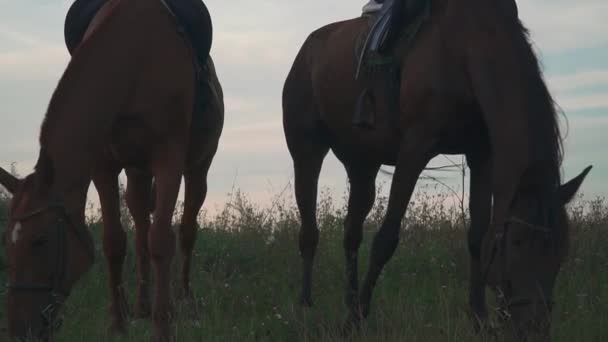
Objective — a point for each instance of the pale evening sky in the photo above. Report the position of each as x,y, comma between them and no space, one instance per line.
254,45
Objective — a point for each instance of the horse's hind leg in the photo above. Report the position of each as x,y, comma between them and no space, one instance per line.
307,151
139,202
168,169
480,203
114,243
361,199
308,146
195,193
307,170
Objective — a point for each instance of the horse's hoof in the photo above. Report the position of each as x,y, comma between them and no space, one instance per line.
306,302
117,328
351,325
188,299
142,310
190,308
185,294
484,327
160,339
480,323
163,336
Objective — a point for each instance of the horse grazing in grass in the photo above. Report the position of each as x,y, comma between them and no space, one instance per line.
125,101
470,84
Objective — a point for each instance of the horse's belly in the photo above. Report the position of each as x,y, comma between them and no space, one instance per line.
376,145
131,142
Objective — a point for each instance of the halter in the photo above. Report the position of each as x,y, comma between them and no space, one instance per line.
57,294
501,238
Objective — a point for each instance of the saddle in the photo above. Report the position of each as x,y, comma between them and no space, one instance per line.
391,30
192,17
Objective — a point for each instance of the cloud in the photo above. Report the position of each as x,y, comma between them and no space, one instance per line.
580,91
254,45
39,63
584,102
574,81
559,25
32,57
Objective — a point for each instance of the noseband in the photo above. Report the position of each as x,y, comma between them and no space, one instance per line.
57,294
500,243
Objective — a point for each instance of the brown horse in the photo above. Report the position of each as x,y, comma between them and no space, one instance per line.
125,101
470,84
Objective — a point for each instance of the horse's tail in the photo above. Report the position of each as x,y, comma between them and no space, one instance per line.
298,88
301,68
298,91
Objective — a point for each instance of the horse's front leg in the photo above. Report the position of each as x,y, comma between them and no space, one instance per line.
480,207
362,178
415,153
138,198
167,172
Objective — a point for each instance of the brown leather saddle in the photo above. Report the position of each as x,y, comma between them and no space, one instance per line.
380,47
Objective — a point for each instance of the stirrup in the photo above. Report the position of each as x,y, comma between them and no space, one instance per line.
364,116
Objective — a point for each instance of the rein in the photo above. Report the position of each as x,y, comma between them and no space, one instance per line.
57,294
501,237
500,244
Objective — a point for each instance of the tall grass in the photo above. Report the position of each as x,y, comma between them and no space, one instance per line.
247,277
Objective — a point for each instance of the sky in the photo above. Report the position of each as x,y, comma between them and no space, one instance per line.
254,45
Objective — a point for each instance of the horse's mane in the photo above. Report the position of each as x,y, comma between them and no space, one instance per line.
544,175
543,112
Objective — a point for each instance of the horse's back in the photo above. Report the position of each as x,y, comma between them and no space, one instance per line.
336,41
321,50
321,92
192,17
325,63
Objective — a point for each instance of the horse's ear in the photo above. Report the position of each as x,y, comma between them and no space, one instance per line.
9,181
509,8
566,192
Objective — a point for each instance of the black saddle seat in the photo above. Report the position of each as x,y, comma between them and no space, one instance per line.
192,16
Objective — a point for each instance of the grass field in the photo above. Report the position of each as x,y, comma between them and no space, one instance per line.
247,279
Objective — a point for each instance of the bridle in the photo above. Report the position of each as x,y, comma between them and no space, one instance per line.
500,242
55,289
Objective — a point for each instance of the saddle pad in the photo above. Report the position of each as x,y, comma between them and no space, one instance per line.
371,62
192,16
372,7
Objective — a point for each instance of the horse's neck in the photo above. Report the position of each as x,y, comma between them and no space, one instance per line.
539,179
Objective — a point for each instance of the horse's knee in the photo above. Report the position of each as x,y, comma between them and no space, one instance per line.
161,243
474,239
384,245
115,244
309,238
352,239
187,237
